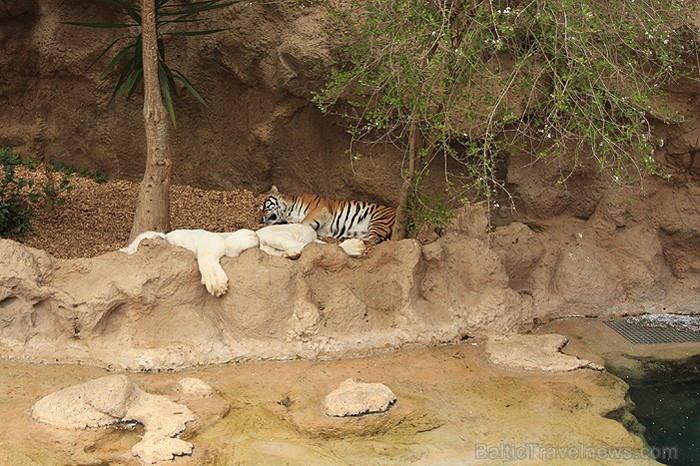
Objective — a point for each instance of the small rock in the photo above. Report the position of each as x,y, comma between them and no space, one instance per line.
192,387
108,400
155,449
533,352
353,398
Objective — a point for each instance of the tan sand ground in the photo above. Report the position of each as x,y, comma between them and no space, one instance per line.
452,408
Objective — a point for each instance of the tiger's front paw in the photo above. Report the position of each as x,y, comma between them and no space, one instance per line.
353,247
291,254
215,280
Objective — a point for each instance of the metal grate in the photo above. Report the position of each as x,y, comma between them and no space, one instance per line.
641,332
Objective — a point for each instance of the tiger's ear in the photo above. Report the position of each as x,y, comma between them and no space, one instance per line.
274,191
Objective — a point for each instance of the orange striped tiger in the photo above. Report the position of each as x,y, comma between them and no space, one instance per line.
329,217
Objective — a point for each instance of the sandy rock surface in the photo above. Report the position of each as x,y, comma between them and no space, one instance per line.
191,387
579,247
149,310
453,408
97,403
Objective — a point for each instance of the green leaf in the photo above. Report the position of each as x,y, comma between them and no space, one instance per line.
129,58
191,4
161,49
135,83
127,72
101,25
188,85
169,76
123,76
165,89
203,6
134,13
117,58
129,83
109,47
161,22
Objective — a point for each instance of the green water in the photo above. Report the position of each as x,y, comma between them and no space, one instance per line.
670,412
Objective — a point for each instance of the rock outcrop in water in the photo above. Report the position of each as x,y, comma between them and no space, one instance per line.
353,398
109,400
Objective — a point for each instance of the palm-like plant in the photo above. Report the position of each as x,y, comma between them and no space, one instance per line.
143,60
128,60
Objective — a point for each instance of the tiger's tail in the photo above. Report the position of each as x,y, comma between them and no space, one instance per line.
130,249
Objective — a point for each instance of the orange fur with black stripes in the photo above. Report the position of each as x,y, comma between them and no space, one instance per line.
331,218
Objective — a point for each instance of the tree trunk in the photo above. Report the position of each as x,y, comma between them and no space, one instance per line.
153,203
401,210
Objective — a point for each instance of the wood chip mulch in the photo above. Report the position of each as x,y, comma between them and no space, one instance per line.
96,217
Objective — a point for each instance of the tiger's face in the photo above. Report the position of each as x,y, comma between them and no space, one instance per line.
273,210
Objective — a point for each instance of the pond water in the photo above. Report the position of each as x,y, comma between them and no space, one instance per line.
670,412
453,408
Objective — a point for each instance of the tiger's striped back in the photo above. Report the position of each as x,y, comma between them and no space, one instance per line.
342,219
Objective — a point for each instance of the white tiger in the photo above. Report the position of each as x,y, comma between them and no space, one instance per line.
209,247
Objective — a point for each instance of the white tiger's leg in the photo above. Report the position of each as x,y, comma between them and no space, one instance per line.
214,276
286,240
285,247
353,247
269,250
238,241
130,249
211,247
208,248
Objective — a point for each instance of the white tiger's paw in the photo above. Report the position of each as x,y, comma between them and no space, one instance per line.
353,247
214,278
217,285
292,255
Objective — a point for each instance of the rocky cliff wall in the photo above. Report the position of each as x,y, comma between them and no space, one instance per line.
259,127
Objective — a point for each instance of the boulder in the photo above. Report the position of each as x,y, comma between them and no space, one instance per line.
110,400
353,398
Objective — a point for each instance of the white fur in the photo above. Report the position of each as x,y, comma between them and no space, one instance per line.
289,239
208,248
353,247
285,240
130,249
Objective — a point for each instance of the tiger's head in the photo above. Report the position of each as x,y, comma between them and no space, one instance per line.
274,208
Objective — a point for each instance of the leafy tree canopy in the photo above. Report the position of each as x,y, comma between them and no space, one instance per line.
485,78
